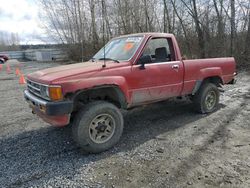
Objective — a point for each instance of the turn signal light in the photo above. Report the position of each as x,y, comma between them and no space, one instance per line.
55,93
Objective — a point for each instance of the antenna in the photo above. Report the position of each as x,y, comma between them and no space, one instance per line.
103,35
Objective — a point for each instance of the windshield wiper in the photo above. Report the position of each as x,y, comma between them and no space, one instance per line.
115,60
92,59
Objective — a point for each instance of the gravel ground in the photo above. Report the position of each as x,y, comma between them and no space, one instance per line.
164,145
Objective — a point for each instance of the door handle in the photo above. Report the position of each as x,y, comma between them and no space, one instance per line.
175,66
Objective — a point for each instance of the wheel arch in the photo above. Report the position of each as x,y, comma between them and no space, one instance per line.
110,92
217,80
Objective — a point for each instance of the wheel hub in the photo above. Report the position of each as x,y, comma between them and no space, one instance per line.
210,100
102,128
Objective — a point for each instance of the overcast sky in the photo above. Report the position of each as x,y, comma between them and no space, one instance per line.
21,16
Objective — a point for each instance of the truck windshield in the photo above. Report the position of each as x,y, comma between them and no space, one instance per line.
121,49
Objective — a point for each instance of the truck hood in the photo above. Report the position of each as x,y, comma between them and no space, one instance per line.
86,69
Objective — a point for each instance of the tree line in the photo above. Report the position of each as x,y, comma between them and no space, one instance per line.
9,41
204,28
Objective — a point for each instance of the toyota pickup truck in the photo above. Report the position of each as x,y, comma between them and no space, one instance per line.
129,71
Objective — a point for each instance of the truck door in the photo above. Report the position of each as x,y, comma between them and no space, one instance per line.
162,77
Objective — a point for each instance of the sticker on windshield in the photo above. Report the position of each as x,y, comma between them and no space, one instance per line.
128,46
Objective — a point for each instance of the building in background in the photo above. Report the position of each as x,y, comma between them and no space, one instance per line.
41,55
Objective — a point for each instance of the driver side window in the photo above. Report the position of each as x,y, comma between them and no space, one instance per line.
158,50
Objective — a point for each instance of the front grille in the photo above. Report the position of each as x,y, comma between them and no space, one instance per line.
34,88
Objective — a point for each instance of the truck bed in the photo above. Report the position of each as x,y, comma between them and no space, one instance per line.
198,69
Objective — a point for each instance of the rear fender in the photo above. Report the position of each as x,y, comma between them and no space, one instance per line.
211,72
206,74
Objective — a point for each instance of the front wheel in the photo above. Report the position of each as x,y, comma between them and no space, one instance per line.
97,126
207,98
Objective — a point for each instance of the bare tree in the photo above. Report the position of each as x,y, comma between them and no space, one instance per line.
220,25
9,41
247,49
192,10
202,27
233,29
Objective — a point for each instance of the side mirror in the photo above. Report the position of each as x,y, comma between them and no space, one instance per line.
144,60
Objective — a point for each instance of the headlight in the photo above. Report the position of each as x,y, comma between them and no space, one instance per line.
44,92
55,93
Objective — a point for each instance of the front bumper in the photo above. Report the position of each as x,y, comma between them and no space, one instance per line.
55,113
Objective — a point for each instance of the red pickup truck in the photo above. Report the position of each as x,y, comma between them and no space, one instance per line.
129,71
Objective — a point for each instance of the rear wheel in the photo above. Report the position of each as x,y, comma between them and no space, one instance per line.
207,98
97,126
